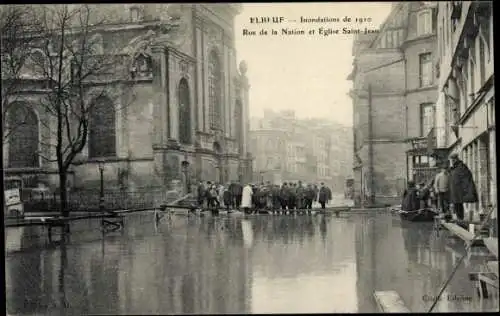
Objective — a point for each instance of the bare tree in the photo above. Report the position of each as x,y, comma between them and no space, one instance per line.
16,45
75,72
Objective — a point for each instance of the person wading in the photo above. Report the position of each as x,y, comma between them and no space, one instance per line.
462,186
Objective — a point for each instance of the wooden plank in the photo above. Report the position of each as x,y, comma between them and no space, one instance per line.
492,244
488,280
461,233
390,302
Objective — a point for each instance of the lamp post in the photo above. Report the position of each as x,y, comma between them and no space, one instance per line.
184,167
101,195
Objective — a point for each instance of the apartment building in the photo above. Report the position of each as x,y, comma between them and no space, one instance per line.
394,94
465,108
287,148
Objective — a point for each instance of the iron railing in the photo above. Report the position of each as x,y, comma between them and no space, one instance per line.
89,200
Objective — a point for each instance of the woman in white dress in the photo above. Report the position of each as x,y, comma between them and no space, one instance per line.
246,198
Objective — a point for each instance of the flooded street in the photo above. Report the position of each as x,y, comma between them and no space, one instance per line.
259,264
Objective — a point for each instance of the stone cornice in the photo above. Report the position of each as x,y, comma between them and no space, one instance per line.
178,53
419,39
423,89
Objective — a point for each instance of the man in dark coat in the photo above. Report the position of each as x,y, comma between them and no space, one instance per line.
227,198
462,187
284,193
292,197
236,190
309,196
201,194
324,195
300,196
411,200
276,197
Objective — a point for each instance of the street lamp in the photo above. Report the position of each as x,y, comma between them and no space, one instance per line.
101,195
185,166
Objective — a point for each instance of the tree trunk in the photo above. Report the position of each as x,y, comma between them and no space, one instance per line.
63,193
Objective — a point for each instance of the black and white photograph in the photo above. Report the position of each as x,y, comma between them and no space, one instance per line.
249,158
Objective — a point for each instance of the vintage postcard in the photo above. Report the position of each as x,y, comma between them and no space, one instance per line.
250,158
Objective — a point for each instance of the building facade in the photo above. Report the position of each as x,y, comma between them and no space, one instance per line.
466,102
187,104
290,149
394,93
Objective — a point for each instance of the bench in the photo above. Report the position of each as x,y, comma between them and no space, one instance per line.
390,302
463,234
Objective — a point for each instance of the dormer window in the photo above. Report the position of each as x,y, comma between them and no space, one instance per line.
424,22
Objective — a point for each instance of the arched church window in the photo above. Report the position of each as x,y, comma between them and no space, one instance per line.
214,90
184,112
102,136
23,137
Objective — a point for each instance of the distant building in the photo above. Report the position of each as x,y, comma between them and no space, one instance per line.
394,94
189,117
466,102
286,148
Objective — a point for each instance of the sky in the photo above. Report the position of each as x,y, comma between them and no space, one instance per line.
304,73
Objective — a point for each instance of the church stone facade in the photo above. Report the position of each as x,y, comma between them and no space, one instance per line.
186,113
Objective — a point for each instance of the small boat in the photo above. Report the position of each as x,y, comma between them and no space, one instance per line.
422,215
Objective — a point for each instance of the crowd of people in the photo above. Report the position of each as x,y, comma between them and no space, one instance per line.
447,191
252,197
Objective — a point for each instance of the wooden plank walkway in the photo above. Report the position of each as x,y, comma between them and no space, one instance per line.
390,302
492,244
462,233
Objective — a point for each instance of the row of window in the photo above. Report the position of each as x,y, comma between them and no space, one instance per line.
24,133
323,171
472,74
393,38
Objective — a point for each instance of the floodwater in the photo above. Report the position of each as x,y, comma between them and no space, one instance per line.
259,264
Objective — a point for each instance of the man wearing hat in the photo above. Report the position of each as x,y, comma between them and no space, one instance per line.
462,187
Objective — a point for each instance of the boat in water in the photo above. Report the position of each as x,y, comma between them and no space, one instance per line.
422,215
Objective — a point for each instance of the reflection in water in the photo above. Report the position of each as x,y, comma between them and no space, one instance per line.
263,264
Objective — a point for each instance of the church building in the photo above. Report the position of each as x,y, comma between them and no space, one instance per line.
178,114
